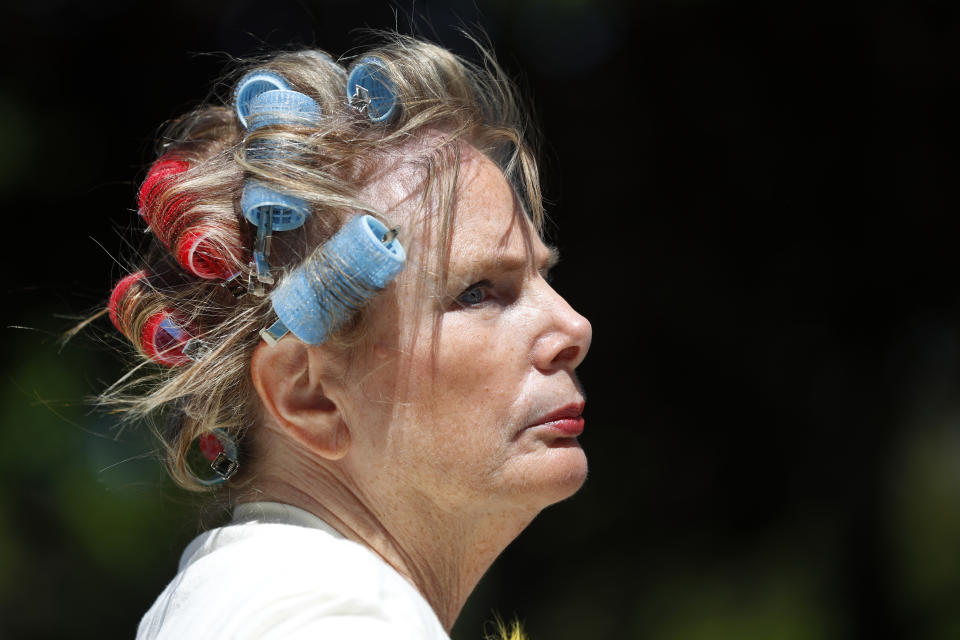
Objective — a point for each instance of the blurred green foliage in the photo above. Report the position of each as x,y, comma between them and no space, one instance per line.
82,504
923,507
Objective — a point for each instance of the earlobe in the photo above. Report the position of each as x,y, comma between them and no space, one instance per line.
289,380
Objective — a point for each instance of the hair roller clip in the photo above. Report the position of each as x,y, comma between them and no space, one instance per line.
338,279
220,449
370,90
252,85
169,341
269,210
202,253
166,167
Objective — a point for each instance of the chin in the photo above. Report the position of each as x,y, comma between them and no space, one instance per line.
564,474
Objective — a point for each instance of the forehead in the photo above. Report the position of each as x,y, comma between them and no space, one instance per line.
489,226
480,219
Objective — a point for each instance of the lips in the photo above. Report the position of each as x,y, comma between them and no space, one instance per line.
567,420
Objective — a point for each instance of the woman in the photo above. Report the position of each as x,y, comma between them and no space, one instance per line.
349,300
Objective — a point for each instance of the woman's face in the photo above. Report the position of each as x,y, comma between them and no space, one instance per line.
470,400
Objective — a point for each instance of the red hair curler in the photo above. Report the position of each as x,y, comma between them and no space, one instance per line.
171,217
199,251
114,305
160,174
193,238
164,338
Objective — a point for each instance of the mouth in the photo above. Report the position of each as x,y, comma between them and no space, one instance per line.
567,421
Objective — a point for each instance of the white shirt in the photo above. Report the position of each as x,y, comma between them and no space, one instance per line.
277,571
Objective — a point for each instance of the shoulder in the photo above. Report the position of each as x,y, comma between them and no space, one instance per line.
268,580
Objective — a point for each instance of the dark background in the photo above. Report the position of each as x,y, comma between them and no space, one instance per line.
755,204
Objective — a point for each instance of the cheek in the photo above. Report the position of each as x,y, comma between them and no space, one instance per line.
456,393
477,363
464,397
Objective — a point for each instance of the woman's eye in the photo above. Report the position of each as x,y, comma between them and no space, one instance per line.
474,295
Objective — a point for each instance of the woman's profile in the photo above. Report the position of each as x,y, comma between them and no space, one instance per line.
345,330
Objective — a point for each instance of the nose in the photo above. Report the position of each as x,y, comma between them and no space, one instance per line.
566,335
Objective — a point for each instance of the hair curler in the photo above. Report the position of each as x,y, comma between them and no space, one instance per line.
194,242
336,281
161,172
220,449
252,85
169,340
263,99
370,90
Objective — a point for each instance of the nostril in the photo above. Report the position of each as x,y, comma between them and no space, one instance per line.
568,354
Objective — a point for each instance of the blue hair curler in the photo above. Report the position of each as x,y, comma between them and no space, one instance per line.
336,281
264,98
370,90
281,106
282,211
269,210
252,85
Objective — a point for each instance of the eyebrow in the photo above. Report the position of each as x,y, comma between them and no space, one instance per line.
513,262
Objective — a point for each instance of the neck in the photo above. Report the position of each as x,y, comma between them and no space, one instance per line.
443,553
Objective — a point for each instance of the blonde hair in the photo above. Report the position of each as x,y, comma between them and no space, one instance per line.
195,185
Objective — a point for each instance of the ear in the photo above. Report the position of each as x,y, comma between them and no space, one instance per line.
288,378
